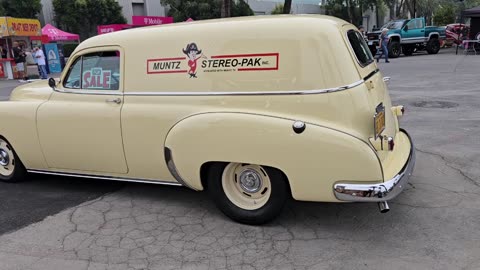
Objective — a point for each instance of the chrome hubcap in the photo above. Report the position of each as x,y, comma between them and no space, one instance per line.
250,181
4,158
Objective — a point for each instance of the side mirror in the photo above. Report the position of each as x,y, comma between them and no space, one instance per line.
52,83
405,28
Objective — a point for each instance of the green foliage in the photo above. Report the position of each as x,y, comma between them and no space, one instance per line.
21,8
69,48
444,15
241,9
278,9
181,10
350,10
83,16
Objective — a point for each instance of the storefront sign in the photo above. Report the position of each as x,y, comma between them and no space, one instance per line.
104,29
3,27
23,27
53,58
151,20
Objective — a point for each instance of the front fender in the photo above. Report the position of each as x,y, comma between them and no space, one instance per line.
18,126
312,161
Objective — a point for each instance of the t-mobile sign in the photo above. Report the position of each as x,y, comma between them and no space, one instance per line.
151,20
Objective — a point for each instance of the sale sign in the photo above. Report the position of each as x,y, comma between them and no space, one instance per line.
97,78
23,27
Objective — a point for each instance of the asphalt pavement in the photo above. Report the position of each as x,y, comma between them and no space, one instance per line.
433,224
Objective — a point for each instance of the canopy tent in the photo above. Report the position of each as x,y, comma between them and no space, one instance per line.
55,34
474,14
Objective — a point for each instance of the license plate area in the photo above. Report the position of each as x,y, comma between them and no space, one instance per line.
370,43
379,120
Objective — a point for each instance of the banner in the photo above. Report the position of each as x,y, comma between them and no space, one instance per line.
3,27
53,58
151,20
104,29
23,27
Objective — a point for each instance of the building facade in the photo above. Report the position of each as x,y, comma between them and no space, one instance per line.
129,7
154,8
265,7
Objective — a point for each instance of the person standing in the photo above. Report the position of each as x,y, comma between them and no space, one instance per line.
19,57
40,59
362,31
384,45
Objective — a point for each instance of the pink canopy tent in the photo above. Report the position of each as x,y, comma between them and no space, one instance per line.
55,34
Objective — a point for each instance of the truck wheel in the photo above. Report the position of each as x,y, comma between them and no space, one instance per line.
407,50
11,168
433,46
394,49
247,193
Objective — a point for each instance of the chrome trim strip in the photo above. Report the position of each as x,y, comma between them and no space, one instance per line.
101,177
249,93
378,192
173,170
91,92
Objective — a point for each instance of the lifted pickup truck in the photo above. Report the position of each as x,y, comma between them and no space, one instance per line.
408,36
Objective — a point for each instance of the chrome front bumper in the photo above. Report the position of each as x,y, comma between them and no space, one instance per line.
378,192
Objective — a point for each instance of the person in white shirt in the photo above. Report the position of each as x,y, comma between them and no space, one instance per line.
40,59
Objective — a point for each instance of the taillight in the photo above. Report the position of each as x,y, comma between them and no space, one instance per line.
390,143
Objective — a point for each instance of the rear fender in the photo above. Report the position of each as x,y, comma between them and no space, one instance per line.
312,160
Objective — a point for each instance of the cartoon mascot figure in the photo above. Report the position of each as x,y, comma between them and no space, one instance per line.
193,55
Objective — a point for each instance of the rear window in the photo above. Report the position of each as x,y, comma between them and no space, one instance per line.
360,48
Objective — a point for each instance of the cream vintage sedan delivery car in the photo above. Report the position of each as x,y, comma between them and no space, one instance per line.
253,110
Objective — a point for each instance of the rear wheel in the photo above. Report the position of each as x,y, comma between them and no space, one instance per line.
394,49
11,168
247,193
433,46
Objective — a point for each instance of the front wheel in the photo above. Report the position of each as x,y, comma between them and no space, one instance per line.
433,46
394,49
247,193
11,168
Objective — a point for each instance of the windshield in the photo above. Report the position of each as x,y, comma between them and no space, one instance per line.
393,25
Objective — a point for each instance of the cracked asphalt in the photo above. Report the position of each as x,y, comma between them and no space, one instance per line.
433,224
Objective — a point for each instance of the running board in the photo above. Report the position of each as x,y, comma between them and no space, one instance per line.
111,178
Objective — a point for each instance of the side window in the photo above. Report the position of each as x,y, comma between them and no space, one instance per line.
419,23
411,25
95,71
74,78
360,48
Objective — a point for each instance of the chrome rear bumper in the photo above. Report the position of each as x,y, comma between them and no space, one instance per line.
378,192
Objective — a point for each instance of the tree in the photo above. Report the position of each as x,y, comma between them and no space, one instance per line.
204,9
83,16
287,6
349,10
21,8
444,15
278,9
226,8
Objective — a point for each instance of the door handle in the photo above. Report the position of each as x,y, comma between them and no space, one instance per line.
114,100
422,30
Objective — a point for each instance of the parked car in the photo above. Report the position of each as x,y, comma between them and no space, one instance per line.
277,110
408,36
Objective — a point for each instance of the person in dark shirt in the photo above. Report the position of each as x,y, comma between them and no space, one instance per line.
19,57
